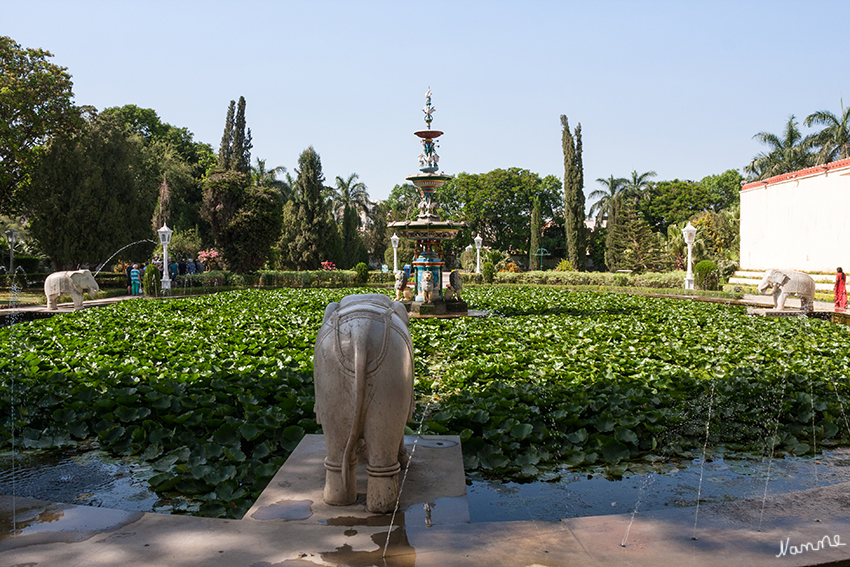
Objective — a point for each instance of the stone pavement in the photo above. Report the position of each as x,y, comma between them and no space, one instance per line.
289,526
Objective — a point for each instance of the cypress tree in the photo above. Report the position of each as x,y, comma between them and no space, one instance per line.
241,144
535,261
353,250
312,223
573,195
226,149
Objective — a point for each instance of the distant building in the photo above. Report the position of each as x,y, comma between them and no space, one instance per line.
799,220
591,225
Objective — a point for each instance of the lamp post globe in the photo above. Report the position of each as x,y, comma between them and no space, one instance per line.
164,234
394,241
478,242
689,233
11,238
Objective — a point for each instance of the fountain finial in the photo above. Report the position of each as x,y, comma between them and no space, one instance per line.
428,109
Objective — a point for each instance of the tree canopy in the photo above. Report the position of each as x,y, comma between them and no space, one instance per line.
833,141
93,191
35,104
498,205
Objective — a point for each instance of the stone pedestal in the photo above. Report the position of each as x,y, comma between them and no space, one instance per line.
435,485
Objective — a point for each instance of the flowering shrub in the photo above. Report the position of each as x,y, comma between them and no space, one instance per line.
210,258
328,266
510,267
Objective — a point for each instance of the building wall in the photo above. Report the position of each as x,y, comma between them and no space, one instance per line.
799,220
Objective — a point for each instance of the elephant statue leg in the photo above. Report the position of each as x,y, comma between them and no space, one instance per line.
77,298
383,469
780,302
53,302
337,492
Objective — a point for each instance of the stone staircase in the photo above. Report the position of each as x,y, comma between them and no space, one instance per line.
823,282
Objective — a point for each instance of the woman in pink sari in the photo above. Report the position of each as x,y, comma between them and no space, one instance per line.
840,290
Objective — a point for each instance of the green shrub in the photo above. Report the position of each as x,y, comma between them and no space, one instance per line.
487,272
564,266
621,280
706,275
362,271
152,281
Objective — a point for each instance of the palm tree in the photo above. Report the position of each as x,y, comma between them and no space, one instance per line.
636,187
352,192
262,177
788,153
606,198
834,139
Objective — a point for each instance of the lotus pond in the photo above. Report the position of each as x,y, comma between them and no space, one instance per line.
214,392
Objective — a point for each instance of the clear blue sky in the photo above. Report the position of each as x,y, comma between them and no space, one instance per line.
678,87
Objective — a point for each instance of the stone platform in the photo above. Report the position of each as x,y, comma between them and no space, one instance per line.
289,526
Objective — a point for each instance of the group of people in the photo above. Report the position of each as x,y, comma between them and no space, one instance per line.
135,272
183,267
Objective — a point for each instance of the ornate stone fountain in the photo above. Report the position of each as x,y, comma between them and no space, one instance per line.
428,231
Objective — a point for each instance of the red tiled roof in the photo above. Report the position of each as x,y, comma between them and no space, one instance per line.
799,173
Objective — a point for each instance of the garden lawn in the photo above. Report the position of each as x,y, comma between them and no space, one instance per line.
217,390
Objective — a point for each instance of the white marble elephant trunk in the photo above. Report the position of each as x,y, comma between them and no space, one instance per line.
74,284
363,373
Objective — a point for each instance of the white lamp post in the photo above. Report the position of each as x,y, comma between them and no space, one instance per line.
164,238
394,240
11,238
689,232
478,241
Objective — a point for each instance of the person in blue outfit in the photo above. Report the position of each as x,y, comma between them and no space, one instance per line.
135,279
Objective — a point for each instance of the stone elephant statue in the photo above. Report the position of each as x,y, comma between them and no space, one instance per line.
69,283
363,374
788,282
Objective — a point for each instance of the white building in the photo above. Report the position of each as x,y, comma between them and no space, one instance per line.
799,220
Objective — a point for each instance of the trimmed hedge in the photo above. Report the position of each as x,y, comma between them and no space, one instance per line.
668,280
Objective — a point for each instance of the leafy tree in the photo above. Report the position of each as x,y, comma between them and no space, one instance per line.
721,232
245,219
724,190
574,228
350,192
671,202
787,153
402,202
834,140
534,262
254,228
35,104
93,192
497,205
312,219
181,162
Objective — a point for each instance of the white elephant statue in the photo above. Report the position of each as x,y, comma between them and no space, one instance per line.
788,282
363,373
73,283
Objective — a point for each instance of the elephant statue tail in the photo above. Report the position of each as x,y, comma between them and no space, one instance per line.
360,344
